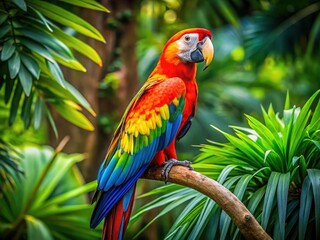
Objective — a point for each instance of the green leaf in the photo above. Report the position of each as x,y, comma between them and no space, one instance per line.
256,199
54,89
70,63
316,114
282,199
64,213
90,4
239,191
50,183
302,167
26,110
47,40
4,30
8,49
78,45
291,226
269,198
161,190
37,48
21,4
38,112
225,172
79,97
56,72
15,103
31,65
164,199
197,200
287,102
3,17
295,159
167,209
36,229
64,197
314,175
227,12
313,36
8,89
207,211
67,18
52,123
42,18
14,65
25,80
71,114
305,207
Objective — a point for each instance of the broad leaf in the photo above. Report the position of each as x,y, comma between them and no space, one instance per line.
90,4
14,65
25,80
67,18
7,50
305,207
71,113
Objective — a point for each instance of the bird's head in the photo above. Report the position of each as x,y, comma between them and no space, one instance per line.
189,46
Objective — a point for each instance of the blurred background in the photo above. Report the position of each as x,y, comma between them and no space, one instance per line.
262,50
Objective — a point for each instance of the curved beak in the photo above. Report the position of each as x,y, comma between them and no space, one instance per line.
204,52
207,52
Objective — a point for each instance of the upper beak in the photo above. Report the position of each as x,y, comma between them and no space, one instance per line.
207,52
204,52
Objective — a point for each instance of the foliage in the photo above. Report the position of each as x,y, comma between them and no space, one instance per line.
35,37
8,161
48,201
285,30
32,47
254,59
272,167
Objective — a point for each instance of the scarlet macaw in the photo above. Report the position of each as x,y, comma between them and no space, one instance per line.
158,115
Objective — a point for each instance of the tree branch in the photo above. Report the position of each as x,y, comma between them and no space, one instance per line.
245,221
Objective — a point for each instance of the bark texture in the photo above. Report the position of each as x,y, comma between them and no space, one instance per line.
119,29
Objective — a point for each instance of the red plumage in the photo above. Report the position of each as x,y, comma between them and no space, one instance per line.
160,113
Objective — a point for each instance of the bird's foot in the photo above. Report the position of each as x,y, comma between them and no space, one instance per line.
167,165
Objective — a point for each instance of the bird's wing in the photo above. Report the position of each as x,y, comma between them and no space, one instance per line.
149,124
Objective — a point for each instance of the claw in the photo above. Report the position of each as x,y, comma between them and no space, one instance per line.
167,165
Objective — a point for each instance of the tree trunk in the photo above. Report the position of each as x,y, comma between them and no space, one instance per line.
119,29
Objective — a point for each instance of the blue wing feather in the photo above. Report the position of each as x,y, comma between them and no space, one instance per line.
109,198
116,177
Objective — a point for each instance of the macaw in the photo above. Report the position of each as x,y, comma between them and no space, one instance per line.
158,116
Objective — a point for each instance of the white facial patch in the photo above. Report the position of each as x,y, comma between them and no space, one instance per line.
186,44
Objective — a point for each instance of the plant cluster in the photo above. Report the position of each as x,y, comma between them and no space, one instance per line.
272,167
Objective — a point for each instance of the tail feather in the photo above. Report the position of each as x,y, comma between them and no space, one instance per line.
108,200
117,220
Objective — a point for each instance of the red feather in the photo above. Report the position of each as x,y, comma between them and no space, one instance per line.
112,225
182,80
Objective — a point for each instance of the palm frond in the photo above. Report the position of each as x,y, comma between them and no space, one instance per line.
272,166
49,200
32,49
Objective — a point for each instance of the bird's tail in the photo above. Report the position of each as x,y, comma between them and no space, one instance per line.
117,220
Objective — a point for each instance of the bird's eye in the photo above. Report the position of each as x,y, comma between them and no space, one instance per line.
187,38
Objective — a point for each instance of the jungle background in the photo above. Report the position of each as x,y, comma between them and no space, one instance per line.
263,50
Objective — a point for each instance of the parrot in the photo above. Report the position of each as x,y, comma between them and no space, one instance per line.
160,114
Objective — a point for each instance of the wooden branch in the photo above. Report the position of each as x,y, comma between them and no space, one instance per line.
245,221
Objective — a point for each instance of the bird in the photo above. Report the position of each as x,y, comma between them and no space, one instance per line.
160,114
